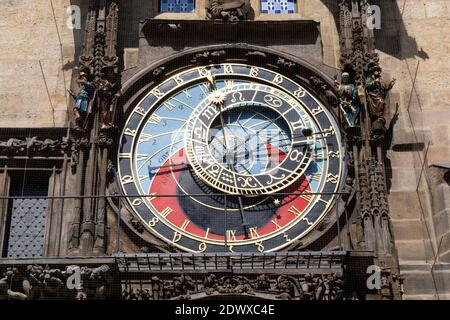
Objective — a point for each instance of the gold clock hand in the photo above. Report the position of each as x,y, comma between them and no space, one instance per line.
169,166
231,166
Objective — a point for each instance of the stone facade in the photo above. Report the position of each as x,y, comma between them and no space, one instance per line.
38,70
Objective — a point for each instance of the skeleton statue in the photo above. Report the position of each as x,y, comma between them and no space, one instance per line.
229,10
107,99
84,99
348,100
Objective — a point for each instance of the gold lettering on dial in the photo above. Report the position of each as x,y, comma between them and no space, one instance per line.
140,111
178,80
237,96
325,201
209,112
332,178
259,246
231,235
297,125
153,222
307,221
187,94
316,111
154,119
166,212
300,92
273,101
253,232
203,72
315,176
152,196
228,69
276,224
328,132
176,237
130,132
125,155
169,105
136,202
254,72
278,79
185,224
334,154
202,247
296,155
229,83
144,137
294,211
207,233
157,93
307,197
127,179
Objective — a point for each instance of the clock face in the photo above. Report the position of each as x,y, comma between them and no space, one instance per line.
230,157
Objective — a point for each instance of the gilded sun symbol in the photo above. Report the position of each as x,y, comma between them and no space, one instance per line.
276,202
217,97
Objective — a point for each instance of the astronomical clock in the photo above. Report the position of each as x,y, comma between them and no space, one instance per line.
228,156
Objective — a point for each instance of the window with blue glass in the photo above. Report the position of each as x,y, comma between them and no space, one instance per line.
178,6
278,6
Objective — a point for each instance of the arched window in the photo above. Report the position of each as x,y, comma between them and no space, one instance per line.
178,6
278,6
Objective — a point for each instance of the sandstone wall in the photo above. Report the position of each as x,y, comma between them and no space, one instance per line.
416,50
36,58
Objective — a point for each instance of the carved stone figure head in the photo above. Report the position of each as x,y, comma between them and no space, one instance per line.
230,10
345,78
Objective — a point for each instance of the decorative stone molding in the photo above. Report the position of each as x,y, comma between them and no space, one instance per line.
300,287
36,282
34,145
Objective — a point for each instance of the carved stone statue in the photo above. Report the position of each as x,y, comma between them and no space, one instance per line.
376,95
210,283
84,99
107,99
348,100
377,91
229,10
7,294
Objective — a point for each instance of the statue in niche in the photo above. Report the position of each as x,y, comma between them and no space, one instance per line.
376,94
228,10
84,100
349,100
107,99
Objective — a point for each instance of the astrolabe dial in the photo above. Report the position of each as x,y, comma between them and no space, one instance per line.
230,157
246,145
